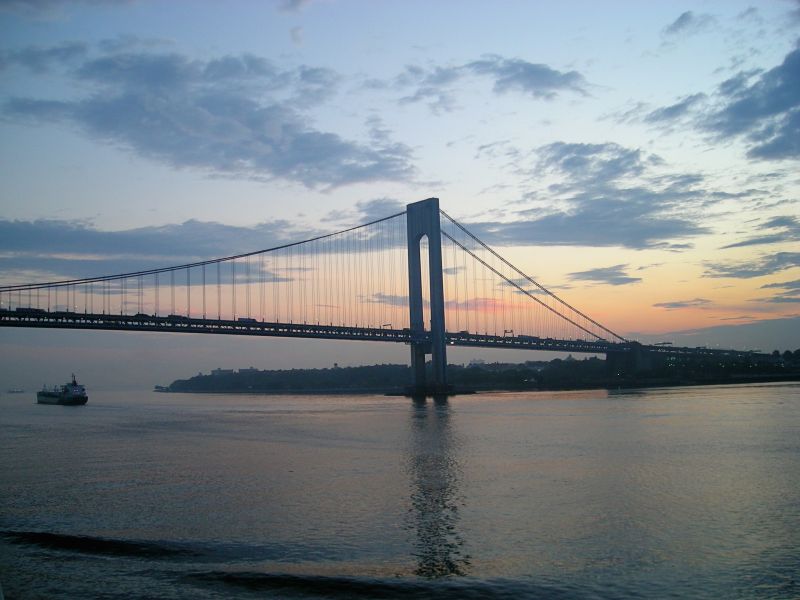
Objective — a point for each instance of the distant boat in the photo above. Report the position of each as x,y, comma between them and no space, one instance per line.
71,394
16,391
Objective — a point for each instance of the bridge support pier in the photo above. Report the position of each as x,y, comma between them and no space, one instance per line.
633,361
422,219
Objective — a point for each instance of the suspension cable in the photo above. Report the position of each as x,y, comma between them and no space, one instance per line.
531,280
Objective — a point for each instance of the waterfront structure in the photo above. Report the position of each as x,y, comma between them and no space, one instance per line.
416,277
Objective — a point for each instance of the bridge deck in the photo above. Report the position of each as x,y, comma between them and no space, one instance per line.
38,318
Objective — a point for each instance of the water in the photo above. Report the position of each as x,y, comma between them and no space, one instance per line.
683,492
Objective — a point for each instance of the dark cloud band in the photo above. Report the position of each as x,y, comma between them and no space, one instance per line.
237,116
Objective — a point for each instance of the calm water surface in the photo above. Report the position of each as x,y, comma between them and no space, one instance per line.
682,492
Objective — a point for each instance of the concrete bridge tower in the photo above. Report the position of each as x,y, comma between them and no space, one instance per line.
423,221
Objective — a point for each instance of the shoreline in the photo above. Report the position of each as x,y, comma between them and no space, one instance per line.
610,386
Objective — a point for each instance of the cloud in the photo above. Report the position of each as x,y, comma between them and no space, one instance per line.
436,85
789,227
688,23
236,116
537,80
378,208
296,33
751,13
389,299
314,86
779,142
76,249
40,58
760,107
794,14
765,334
765,265
782,299
786,285
629,221
674,111
166,72
775,238
789,295
433,87
766,112
52,249
675,304
650,266
615,275
366,211
592,163
127,42
738,83
293,5
35,8
592,203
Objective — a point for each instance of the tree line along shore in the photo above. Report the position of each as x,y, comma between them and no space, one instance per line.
557,374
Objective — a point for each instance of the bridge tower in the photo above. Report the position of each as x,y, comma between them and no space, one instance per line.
422,220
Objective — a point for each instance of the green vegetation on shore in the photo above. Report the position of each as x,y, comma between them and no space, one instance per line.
557,374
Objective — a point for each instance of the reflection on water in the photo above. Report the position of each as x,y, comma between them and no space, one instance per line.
435,493
663,493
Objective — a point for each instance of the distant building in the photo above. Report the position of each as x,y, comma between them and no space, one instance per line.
218,372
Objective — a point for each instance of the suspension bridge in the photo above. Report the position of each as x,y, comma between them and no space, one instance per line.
417,277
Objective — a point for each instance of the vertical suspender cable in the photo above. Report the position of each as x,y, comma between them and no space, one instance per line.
261,287
219,294
233,290
188,292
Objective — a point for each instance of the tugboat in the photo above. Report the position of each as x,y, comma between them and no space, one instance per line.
71,394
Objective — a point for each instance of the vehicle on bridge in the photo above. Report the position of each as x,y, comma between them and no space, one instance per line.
31,311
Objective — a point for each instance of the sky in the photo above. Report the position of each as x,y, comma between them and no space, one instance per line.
638,157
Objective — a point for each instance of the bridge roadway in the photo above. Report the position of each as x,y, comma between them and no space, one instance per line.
42,319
